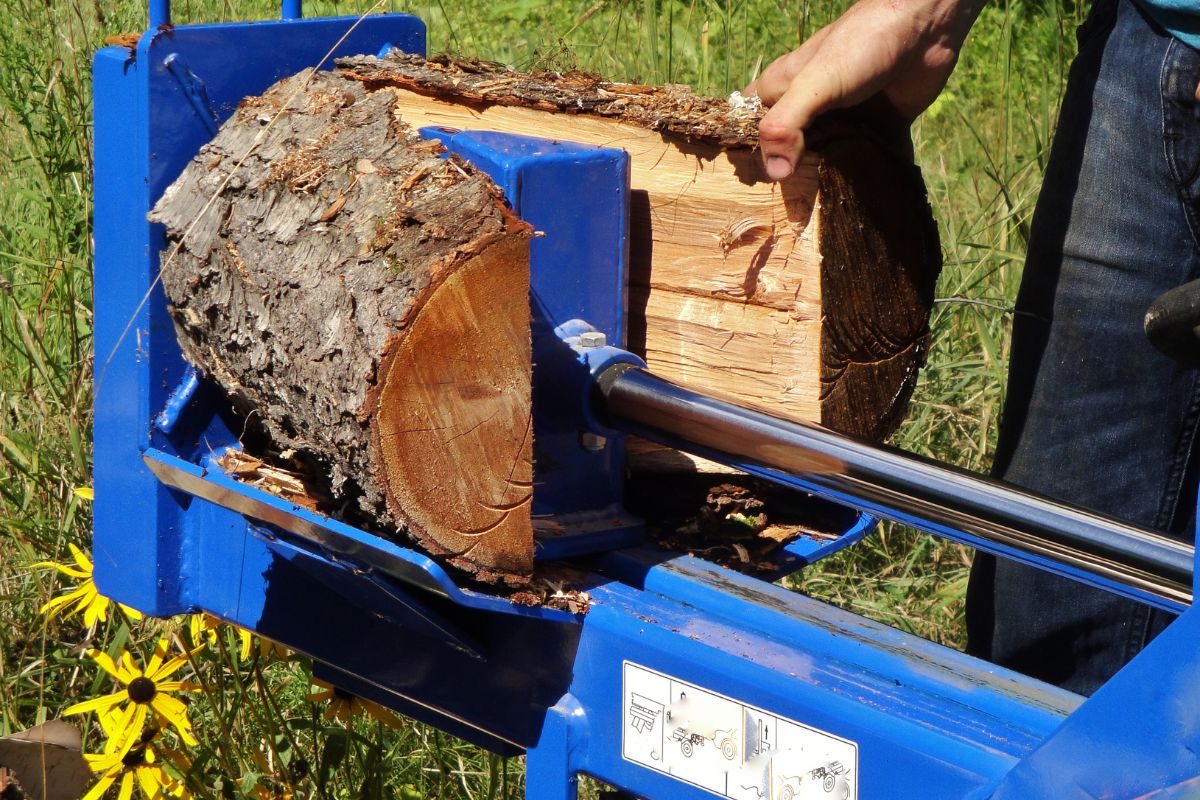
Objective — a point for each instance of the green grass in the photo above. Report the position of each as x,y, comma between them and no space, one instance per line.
982,148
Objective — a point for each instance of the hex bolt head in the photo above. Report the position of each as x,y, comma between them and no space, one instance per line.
592,442
592,339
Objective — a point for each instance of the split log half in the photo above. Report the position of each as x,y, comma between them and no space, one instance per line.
808,298
365,301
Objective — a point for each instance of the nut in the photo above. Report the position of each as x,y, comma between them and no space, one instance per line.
592,339
592,442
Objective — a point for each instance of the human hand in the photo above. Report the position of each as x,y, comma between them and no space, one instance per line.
900,50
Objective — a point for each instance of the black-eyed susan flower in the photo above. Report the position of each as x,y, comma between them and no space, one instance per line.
344,706
272,792
84,597
145,690
270,785
134,760
205,628
271,650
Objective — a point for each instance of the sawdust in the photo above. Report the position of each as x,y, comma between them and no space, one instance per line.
741,523
548,592
258,106
303,169
274,480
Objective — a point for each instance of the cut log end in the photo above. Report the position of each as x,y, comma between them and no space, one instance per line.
882,259
453,427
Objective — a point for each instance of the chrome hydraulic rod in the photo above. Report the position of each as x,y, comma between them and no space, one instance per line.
890,483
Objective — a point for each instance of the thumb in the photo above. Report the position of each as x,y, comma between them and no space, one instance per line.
781,130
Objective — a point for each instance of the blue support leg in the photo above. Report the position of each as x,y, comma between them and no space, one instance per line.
1138,736
549,774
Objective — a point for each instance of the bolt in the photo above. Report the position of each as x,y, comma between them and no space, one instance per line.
592,442
592,339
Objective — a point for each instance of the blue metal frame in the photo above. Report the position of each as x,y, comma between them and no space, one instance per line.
926,722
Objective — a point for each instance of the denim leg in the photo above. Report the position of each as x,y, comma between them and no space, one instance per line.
1094,415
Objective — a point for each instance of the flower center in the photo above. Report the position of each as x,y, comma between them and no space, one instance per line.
141,689
137,756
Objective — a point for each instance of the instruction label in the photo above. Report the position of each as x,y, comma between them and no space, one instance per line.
728,747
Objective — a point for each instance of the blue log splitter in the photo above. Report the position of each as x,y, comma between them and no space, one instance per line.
685,680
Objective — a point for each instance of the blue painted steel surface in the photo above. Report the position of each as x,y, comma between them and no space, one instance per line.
440,647
1138,736
177,403
159,13
195,91
575,383
808,550
928,722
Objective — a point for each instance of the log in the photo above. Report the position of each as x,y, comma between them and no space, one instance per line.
364,301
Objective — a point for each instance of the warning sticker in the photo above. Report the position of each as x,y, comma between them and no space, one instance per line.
727,747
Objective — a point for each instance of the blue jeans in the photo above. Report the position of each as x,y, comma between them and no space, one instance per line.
1094,415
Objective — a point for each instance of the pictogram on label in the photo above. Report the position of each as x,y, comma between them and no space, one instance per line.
730,748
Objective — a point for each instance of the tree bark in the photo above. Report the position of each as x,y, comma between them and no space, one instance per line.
365,301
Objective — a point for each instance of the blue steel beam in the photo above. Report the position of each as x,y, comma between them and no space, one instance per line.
1138,736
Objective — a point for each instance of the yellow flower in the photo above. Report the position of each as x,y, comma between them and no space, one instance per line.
343,706
205,628
278,792
145,689
271,650
83,597
269,785
133,759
